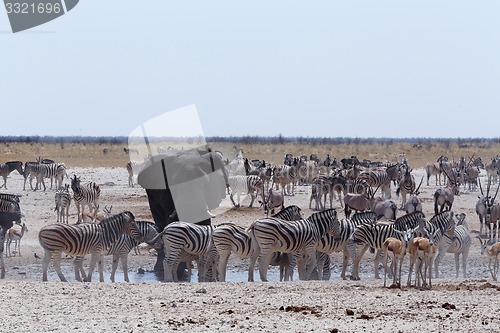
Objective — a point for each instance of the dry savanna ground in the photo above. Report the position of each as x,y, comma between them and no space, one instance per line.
454,304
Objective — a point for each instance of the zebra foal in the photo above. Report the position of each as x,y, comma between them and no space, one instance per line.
79,240
62,200
270,235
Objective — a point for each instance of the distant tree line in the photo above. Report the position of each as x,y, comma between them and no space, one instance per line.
279,139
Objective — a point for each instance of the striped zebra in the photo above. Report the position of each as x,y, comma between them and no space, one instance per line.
378,179
206,264
244,184
338,240
87,194
121,248
30,169
7,168
373,236
271,234
406,186
181,238
10,197
285,177
232,238
54,171
7,205
82,239
7,220
458,244
62,201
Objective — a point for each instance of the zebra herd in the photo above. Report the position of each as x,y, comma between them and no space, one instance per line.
287,238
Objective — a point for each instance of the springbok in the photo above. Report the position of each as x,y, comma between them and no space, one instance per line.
492,249
15,235
398,248
444,197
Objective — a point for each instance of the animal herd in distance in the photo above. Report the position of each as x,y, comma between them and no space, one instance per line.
358,181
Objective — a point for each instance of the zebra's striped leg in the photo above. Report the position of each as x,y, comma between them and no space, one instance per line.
2,263
57,265
345,261
170,263
94,258
310,263
253,259
222,266
114,266
78,266
124,261
357,259
264,260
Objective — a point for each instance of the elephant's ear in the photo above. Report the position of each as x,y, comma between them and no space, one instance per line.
154,176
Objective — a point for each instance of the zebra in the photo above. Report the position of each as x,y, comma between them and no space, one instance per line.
9,206
78,240
373,236
285,177
53,171
121,248
62,201
406,186
7,220
30,169
87,194
338,240
244,184
180,238
10,197
378,178
272,234
7,168
458,244
231,238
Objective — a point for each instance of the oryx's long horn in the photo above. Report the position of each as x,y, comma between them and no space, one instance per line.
480,187
418,187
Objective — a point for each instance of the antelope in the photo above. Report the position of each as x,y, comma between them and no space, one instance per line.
414,204
15,235
398,249
492,250
444,197
483,205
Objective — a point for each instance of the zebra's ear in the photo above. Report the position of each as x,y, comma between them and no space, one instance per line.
130,215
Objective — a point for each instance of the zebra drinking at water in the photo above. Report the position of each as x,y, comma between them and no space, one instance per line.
82,239
87,194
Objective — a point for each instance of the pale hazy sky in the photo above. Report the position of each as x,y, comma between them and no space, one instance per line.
296,68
